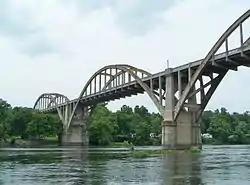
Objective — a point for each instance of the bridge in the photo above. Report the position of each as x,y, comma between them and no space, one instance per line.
180,94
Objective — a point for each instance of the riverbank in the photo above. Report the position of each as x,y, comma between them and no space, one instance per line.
120,144
29,142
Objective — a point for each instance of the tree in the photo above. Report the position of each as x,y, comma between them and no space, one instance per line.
219,129
227,128
4,108
43,125
143,127
55,125
101,126
17,121
125,125
205,121
156,121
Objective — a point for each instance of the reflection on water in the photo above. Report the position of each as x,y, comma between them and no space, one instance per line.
219,165
183,168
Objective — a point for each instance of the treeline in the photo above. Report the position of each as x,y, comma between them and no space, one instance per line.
136,126
25,123
226,128
143,128
133,125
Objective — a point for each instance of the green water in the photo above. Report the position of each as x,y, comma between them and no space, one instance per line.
217,165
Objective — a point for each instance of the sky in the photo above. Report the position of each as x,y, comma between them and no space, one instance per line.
56,45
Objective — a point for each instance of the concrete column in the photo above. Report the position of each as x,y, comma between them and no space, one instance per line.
77,133
168,125
195,125
184,132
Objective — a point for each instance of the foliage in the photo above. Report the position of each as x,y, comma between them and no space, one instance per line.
101,126
127,126
121,144
140,127
195,150
26,123
4,108
17,121
43,125
227,128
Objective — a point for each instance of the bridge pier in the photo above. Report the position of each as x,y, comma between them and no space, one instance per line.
184,132
77,133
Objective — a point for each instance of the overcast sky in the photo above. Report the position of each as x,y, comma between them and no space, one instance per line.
56,45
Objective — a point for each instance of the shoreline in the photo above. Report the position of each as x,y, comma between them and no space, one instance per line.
55,142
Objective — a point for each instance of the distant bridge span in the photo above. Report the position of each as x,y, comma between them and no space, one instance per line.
180,94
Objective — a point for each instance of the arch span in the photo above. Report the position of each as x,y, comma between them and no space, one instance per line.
224,39
48,100
112,76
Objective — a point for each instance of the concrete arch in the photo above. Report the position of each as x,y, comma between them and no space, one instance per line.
123,69
223,39
52,97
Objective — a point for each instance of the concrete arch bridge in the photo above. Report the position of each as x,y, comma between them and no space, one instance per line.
180,94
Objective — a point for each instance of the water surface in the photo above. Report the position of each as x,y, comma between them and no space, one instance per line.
216,165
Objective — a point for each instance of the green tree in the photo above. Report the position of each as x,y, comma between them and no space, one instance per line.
4,108
227,128
55,125
125,125
156,122
206,120
17,121
220,129
101,126
143,128
43,125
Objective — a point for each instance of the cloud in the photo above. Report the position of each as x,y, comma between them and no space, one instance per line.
136,17
55,46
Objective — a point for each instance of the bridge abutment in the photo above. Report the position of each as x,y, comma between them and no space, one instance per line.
77,133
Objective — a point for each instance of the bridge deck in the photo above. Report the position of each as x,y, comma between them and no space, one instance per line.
133,88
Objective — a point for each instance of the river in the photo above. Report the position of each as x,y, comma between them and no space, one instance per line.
216,165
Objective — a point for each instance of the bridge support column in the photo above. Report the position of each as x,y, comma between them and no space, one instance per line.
184,132
77,133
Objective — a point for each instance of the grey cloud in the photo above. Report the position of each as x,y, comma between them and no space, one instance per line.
30,42
30,38
38,47
135,19
143,16
12,25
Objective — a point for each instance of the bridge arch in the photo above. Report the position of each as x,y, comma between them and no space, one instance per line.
238,24
112,76
49,100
